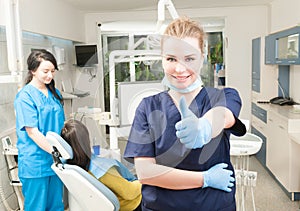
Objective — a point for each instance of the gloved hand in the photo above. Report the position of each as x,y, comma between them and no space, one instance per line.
193,132
218,177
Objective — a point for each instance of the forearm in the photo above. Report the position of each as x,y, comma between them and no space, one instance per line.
220,118
39,139
151,173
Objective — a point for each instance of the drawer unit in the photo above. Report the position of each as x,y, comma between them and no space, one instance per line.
259,112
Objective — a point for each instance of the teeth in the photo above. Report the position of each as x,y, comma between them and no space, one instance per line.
182,77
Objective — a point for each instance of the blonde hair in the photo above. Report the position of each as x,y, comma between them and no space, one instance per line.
185,27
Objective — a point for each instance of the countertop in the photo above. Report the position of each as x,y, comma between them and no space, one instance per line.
288,113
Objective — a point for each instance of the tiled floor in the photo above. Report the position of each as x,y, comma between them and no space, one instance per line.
267,193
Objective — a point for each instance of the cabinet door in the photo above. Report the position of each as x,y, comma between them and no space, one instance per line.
270,49
295,167
278,150
256,43
259,128
261,155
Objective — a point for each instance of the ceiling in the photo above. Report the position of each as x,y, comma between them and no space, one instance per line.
135,5
210,24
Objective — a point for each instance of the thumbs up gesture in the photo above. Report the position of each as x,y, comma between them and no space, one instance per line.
193,132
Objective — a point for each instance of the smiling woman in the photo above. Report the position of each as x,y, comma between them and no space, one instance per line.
181,62
39,109
179,138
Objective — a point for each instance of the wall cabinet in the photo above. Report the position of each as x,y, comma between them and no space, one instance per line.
283,47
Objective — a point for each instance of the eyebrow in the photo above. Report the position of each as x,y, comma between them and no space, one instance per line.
191,55
170,55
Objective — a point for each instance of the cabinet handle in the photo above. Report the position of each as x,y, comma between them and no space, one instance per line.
271,120
281,127
291,61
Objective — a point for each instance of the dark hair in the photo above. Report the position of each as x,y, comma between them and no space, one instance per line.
33,62
77,135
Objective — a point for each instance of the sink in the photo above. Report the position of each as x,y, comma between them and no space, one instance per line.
249,144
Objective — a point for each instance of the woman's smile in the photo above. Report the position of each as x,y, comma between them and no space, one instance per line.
181,78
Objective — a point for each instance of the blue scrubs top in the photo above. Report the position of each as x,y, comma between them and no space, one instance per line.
153,135
34,109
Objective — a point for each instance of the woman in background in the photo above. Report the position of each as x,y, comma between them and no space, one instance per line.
39,109
110,172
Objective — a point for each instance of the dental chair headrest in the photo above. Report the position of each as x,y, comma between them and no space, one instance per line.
61,145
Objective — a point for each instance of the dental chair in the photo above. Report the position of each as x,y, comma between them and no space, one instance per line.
85,192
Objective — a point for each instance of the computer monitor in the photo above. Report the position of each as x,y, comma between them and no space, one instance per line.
86,55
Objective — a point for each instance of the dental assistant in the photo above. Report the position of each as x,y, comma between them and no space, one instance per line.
39,109
179,139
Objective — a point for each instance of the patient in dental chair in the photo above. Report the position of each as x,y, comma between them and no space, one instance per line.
110,172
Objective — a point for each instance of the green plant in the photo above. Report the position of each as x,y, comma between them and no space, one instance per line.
216,53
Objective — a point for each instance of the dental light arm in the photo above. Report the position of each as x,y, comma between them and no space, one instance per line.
161,12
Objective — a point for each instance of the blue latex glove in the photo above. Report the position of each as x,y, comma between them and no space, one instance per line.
192,131
218,177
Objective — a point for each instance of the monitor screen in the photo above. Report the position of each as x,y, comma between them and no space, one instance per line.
287,47
86,55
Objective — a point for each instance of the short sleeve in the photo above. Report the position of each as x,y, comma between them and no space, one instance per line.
26,111
233,101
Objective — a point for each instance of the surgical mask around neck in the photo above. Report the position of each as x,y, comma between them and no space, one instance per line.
190,88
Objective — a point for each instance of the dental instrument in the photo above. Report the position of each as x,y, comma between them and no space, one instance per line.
241,148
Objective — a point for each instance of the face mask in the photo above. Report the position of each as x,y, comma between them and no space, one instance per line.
192,87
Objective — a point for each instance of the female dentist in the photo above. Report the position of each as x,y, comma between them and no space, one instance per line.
39,109
179,139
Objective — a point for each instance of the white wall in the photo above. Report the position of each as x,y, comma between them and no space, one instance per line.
284,14
241,27
54,18
242,24
2,13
